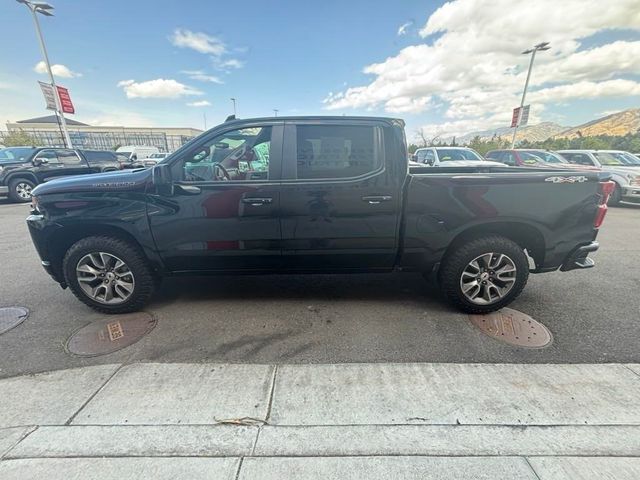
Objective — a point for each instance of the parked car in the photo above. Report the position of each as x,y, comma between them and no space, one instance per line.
628,159
314,194
516,158
137,152
626,178
22,168
462,156
154,159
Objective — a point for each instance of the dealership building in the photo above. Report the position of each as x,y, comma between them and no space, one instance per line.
47,131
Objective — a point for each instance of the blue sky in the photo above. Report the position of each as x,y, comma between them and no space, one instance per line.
451,69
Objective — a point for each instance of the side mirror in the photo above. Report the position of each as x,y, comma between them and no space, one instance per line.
161,175
39,161
414,158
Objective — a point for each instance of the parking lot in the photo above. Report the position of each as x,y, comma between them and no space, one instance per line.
592,314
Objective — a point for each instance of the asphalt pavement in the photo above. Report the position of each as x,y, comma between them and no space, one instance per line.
593,315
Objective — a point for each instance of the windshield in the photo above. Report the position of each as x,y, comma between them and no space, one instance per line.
157,155
626,158
546,156
530,158
454,154
607,159
19,154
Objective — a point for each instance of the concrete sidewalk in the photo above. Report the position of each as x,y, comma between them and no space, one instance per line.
345,421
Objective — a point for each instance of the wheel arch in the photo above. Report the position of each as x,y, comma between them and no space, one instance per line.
525,235
21,175
61,240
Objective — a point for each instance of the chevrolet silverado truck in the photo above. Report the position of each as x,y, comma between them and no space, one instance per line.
314,195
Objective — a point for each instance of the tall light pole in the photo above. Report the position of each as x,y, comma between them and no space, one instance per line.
234,106
541,46
275,112
45,9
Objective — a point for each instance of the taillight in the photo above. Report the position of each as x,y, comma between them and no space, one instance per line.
605,191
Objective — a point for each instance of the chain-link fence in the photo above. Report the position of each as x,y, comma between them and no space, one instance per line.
105,140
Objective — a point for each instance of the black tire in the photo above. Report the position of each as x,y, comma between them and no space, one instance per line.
455,262
16,187
145,280
616,197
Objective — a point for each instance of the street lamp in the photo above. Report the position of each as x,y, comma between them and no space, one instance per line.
234,106
542,47
44,8
275,112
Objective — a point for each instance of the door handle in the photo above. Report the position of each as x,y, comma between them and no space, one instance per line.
256,202
188,189
376,199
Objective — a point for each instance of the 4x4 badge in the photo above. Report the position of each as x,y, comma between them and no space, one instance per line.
566,179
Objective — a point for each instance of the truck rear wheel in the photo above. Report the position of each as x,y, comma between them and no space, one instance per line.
108,274
484,275
616,196
20,190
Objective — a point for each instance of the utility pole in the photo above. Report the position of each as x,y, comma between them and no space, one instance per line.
541,46
204,116
45,9
234,106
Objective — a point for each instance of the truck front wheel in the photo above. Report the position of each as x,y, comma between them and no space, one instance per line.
484,275
108,274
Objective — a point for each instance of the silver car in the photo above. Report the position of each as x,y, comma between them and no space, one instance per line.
452,157
626,178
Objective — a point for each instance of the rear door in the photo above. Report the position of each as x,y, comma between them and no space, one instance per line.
59,162
340,196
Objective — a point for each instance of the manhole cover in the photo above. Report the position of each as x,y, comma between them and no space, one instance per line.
11,317
513,327
110,334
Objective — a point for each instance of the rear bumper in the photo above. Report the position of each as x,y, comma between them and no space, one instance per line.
579,258
4,191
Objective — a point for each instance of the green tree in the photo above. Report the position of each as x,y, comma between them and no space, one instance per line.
18,138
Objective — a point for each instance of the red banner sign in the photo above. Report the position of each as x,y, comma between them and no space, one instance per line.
515,117
65,100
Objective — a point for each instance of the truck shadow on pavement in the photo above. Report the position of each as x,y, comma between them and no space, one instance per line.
392,287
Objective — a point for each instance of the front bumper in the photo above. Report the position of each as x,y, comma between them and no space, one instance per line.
37,229
578,258
4,191
631,194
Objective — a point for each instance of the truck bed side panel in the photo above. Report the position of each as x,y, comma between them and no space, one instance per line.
439,207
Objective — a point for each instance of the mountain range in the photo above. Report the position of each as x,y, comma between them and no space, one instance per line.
615,124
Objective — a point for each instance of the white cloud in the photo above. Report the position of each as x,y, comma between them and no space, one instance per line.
201,103
202,76
58,70
198,41
471,62
227,64
158,88
402,30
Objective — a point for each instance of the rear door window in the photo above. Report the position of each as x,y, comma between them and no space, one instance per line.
336,151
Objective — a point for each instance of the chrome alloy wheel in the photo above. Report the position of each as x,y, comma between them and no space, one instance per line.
105,278
488,278
23,190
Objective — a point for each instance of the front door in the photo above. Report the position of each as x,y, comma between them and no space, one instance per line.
60,162
221,212
340,200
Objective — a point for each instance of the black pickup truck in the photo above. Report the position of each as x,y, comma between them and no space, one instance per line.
22,168
314,194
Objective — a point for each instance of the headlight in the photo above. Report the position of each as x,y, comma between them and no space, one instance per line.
1,170
634,180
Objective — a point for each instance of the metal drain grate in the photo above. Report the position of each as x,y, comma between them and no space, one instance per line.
11,317
513,327
110,334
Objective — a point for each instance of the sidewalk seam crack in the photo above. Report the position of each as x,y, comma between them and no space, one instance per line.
526,459
271,394
255,443
239,467
20,440
93,395
631,370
